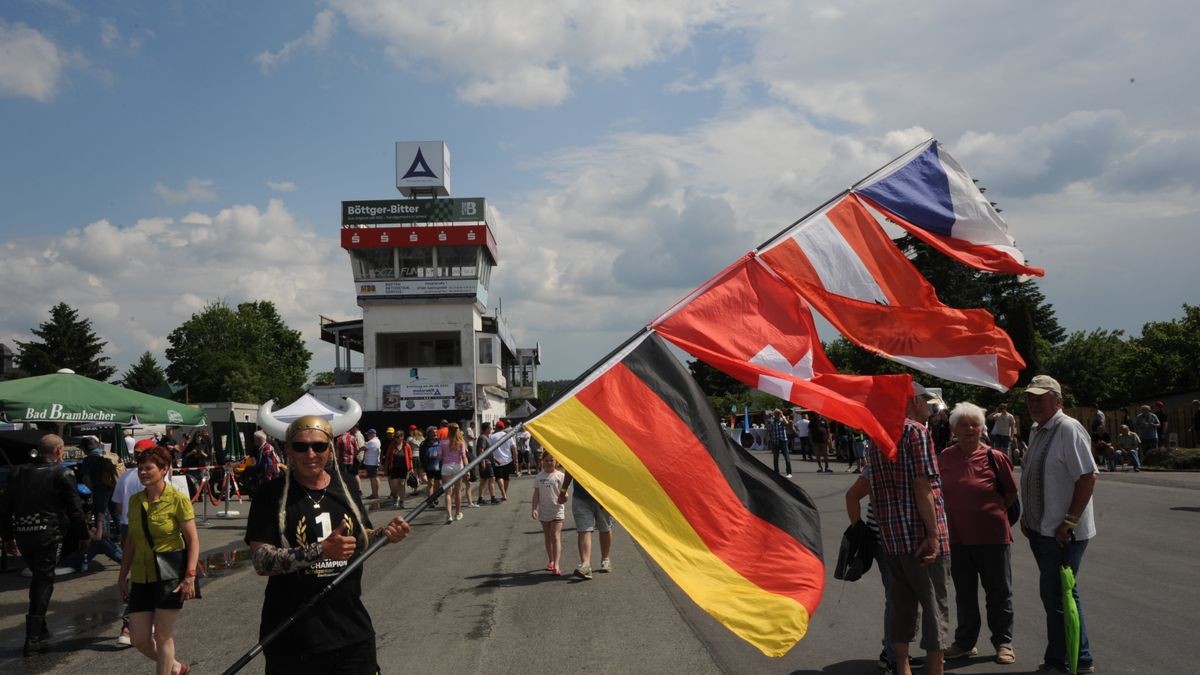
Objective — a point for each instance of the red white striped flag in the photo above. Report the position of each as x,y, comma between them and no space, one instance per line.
843,263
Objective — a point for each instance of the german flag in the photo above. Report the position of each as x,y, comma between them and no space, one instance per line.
741,541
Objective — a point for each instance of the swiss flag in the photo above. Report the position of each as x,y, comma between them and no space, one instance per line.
751,325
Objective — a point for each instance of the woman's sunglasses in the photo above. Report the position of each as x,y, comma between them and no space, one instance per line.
303,447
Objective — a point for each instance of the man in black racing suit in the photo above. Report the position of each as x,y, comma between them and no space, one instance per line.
39,510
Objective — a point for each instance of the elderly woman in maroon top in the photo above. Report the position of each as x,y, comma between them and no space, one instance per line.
980,536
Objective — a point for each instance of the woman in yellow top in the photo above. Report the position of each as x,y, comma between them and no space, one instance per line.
172,522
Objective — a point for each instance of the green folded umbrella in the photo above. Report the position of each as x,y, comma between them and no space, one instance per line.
233,444
1066,579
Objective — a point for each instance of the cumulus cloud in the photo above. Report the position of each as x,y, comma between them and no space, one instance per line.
137,283
32,65
528,53
281,186
316,38
196,190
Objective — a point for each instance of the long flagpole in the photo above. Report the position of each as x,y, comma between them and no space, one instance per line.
838,196
370,551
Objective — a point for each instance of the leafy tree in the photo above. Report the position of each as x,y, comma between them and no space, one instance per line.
1019,307
713,381
242,354
1164,357
1089,365
323,378
66,341
145,375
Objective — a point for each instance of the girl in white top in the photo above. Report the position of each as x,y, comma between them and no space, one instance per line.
548,510
454,457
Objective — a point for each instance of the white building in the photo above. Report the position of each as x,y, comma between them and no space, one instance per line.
425,349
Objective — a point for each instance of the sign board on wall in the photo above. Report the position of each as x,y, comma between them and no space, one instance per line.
423,167
442,287
395,211
424,397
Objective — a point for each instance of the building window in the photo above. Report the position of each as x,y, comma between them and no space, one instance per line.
458,261
485,352
416,262
373,263
416,350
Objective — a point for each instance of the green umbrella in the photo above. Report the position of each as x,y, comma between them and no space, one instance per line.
233,445
69,398
1066,578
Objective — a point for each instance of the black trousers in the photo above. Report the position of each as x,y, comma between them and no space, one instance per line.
778,447
986,565
41,556
353,659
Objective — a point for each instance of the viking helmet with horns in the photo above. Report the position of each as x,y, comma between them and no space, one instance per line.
332,429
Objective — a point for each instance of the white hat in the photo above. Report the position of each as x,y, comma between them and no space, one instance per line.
1043,384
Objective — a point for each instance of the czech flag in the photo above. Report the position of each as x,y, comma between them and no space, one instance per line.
740,540
928,193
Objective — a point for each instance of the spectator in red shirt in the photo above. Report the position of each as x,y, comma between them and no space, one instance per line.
347,451
978,492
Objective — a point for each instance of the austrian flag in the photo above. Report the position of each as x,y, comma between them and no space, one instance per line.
742,542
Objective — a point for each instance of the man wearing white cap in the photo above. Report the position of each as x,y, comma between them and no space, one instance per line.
1058,475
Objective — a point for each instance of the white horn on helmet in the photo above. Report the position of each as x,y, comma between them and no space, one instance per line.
266,420
348,419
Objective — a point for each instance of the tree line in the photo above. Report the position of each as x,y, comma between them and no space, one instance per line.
221,353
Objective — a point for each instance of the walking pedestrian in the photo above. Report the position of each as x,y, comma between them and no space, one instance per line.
397,462
549,511
164,523
372,450
453,454
39,494
487,474
304,528
589,516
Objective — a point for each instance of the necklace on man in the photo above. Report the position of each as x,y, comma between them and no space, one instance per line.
316,503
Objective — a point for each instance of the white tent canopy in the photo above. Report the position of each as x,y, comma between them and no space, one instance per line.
307,405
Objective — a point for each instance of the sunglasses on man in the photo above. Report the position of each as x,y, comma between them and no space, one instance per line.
302,447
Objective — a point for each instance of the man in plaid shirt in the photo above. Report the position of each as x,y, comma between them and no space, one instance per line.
780,441
906,495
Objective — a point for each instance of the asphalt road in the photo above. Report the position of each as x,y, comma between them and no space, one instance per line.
473,597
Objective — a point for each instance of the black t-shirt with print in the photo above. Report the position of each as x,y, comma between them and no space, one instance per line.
338,620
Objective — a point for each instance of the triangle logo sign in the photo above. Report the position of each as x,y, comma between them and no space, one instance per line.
419,168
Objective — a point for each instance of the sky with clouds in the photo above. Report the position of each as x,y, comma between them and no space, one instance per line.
158,156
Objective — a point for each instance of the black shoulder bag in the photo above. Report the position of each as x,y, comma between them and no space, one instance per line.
169,567
1014,511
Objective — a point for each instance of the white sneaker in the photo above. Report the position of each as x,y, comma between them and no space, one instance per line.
606,565
449,521
788,476
458,516
583,571
123,638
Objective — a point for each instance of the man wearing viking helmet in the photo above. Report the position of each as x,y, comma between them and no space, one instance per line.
304,528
